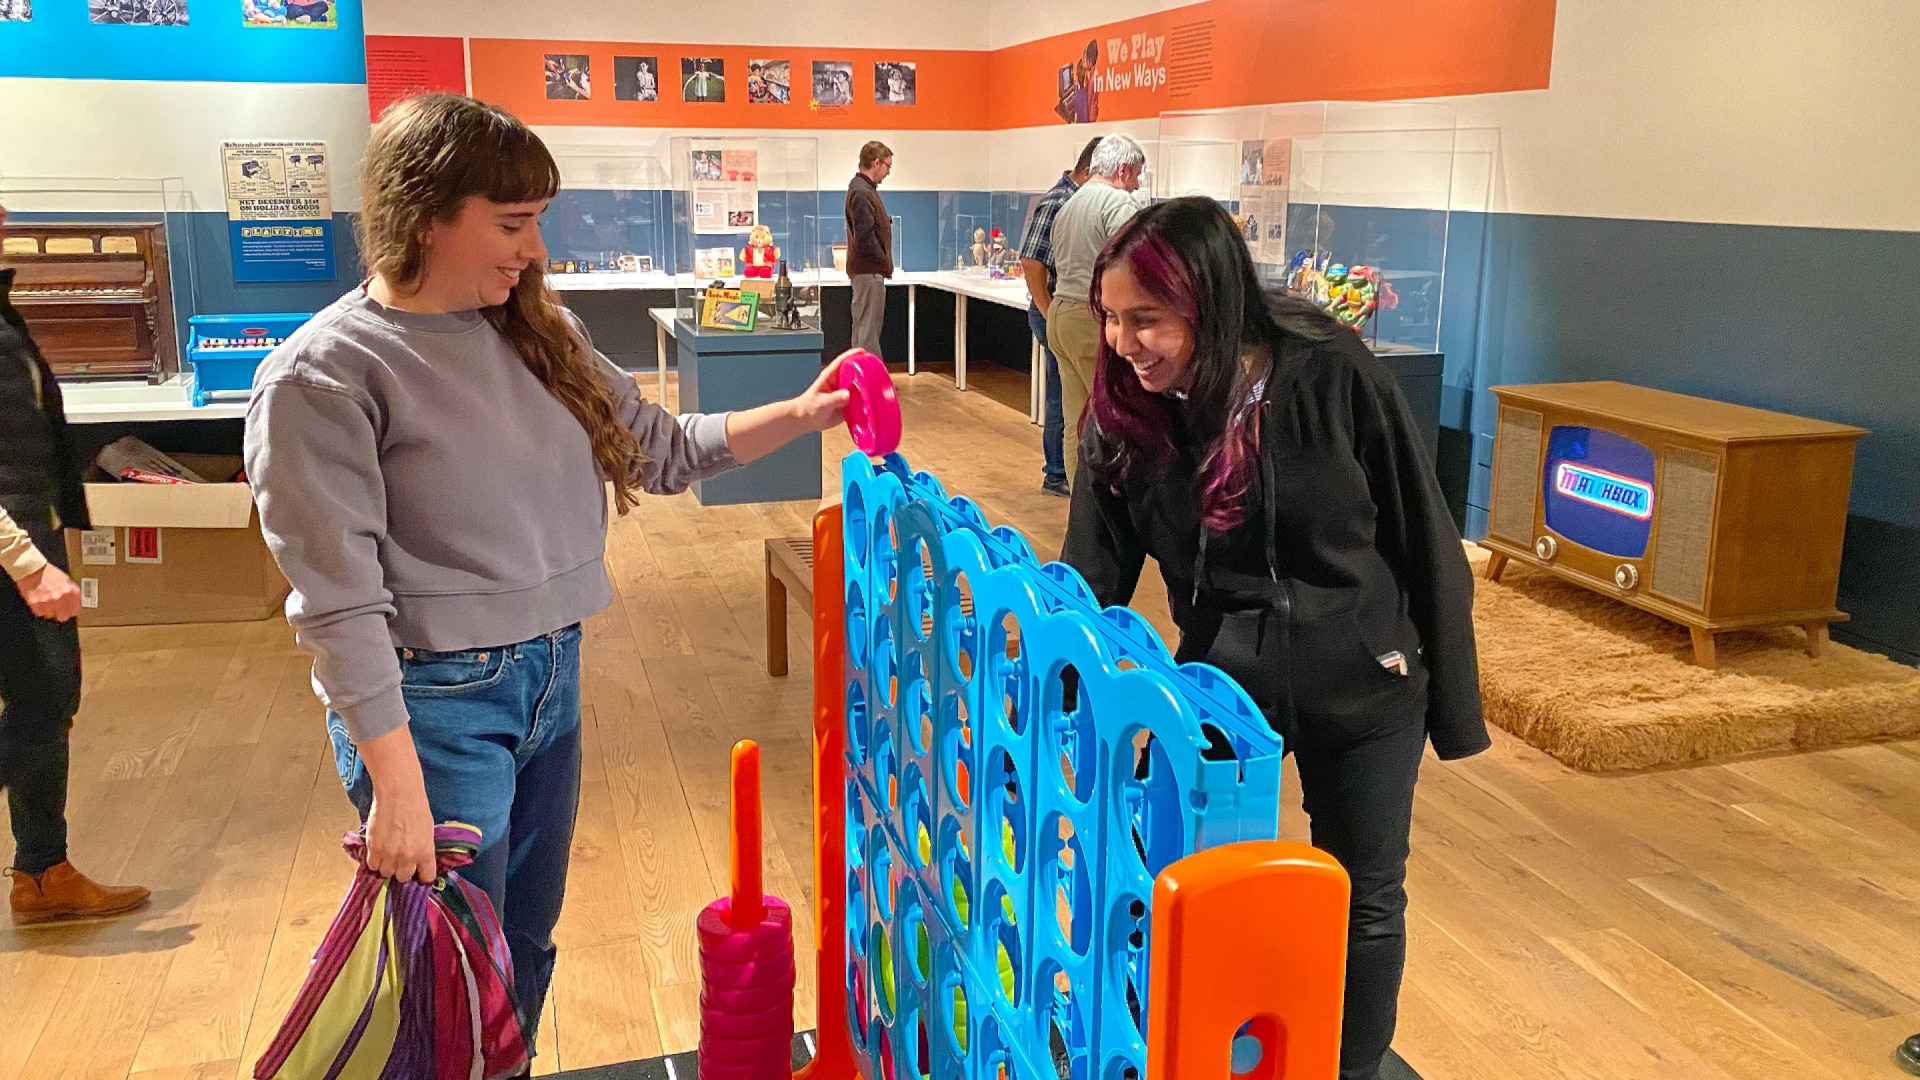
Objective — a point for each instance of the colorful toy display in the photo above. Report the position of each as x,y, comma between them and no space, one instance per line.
1002,263
1351,294
760,256
1037,837
224,350
729,309
1307,275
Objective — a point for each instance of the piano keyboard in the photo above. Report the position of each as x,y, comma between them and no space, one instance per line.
231,344
30,293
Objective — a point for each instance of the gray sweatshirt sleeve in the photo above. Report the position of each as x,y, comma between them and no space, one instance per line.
679,450
312,455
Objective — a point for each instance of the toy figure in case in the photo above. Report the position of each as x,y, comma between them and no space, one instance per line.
1002,263
979,247
760,256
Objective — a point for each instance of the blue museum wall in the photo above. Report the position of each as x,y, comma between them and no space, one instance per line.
216,45
1817,322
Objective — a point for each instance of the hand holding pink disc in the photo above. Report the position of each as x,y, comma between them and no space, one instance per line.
873,409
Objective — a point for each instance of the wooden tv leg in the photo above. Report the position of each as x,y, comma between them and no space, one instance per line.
1496,565
1703,650
776,620
1816,639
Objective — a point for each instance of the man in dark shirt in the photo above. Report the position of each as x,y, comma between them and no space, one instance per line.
869,245
1036,263
40,494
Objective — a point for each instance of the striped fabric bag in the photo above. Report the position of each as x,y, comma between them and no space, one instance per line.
412,982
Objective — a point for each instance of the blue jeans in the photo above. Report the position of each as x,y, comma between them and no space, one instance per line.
498,734
1053,429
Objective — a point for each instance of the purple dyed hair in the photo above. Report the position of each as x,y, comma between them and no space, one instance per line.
1187,254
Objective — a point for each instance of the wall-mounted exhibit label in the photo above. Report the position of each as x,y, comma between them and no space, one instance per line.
279,210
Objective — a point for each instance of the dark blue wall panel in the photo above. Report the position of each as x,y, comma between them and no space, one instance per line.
1817,322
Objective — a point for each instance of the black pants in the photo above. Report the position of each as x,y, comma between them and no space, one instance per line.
40,689
1356,732
1357,785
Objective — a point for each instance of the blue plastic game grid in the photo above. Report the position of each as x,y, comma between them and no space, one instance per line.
1006,812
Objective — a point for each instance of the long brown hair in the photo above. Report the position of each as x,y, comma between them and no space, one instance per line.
428,156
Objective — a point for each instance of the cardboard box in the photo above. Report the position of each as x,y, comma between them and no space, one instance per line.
175,553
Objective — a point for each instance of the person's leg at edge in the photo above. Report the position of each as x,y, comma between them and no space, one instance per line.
1075,342
1358,791
40,688
1053,473
40,685
546,800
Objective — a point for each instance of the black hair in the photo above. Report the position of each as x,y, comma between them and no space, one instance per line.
1188,253
1085,160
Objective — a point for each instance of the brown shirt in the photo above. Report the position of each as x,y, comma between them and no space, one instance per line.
869,230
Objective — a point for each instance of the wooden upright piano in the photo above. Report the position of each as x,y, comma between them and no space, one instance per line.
97,295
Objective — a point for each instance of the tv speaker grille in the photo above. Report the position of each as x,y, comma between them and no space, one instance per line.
1685,526
1516,475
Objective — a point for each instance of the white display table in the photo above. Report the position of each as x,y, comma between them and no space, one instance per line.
963,286
135,402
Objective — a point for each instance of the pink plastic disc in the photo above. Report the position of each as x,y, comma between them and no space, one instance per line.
873,409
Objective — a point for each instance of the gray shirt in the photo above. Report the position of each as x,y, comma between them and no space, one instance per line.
420,488
1082,229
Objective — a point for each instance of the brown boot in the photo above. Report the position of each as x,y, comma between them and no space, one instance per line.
65,893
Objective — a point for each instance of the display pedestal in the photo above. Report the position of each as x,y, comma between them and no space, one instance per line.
724,370
1418,374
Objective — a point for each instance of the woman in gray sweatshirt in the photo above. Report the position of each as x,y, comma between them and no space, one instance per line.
431,457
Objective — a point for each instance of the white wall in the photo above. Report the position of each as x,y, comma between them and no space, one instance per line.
109,128
865,24
1764,112
1031,159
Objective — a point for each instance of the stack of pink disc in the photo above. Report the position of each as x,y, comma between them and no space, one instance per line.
746,1004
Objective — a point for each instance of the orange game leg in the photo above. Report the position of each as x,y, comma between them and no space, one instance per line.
1251,934
833,1060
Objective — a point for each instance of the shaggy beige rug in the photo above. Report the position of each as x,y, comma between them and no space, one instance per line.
1603,686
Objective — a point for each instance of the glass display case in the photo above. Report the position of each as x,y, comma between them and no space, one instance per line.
1350,203
740,204
980,231
613,215
105,271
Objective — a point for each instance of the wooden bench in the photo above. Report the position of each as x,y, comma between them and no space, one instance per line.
789,568
790,571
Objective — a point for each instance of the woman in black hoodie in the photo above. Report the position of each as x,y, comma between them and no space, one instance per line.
1267,461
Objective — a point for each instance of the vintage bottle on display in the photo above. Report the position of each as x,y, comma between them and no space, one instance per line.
782,287
782,292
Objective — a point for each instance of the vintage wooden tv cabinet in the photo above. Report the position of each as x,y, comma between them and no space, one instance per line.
1717,517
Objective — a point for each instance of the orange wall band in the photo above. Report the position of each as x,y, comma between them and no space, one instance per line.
1226,53
1211,55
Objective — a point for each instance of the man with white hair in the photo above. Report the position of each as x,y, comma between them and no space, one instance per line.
1105,202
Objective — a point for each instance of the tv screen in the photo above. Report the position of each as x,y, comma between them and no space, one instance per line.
1599,490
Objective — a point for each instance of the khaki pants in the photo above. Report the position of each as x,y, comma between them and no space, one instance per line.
1074,337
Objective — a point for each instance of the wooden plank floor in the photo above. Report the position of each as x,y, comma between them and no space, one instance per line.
1744,920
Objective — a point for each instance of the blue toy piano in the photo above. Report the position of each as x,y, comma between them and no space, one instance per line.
225,349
